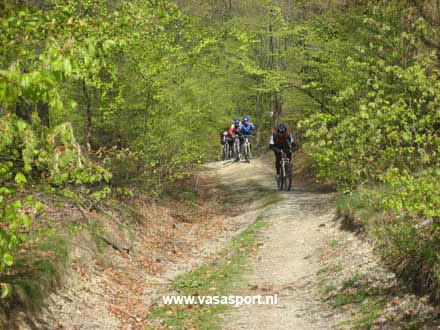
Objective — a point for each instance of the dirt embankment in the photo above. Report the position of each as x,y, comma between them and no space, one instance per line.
122,257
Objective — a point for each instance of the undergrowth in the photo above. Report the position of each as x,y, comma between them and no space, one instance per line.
409,244
39,268
357,291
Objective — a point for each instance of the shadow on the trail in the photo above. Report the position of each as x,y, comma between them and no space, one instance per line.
315,188
311,200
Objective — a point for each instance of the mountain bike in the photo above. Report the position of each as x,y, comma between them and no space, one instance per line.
236,148
247,148
226,149
284,180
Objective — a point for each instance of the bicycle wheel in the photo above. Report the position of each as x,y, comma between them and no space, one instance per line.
227,152
282,177
247,152
236,152
288,171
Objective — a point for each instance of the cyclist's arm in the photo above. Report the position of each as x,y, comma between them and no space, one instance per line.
292,144
253,129
271,141
272,145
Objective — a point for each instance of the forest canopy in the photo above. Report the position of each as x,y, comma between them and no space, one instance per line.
102,94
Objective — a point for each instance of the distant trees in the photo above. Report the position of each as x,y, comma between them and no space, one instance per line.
147,85
137,84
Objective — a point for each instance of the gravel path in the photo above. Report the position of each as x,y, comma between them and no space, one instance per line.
287,258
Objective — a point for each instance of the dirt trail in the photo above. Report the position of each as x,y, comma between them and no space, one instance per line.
299,226
301,243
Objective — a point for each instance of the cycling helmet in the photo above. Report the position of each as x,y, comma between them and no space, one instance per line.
282,128
237,121
246,118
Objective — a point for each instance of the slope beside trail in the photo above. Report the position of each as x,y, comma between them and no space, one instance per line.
299,225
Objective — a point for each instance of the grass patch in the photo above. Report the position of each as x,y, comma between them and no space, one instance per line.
356,293
334,243
220,278
357,209
270,198
95,231
370,311
265,195
336,268
330,288
36,273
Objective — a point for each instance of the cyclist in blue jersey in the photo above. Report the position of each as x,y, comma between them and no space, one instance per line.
246,126
247,129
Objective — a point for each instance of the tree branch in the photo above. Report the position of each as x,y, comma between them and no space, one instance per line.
313,97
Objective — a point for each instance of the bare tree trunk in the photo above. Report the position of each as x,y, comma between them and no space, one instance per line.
277,107
275,99
260,113
271,46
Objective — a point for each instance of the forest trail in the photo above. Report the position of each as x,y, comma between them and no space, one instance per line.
299,225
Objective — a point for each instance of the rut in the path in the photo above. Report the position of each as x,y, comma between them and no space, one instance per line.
298,226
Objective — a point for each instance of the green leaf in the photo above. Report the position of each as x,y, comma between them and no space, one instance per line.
20,179
108,44
39,206
6,290
72,104
21,126
8,259
27,168
27,221
67,67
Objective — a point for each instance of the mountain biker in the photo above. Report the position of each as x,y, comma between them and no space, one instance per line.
281,140
226,140
225,136
247,127
236,132
235,128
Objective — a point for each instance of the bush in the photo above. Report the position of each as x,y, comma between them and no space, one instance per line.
409,245
53,160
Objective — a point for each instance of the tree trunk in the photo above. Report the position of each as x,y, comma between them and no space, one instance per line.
22,110
277,109
43,114
260,113
274,65
88,115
